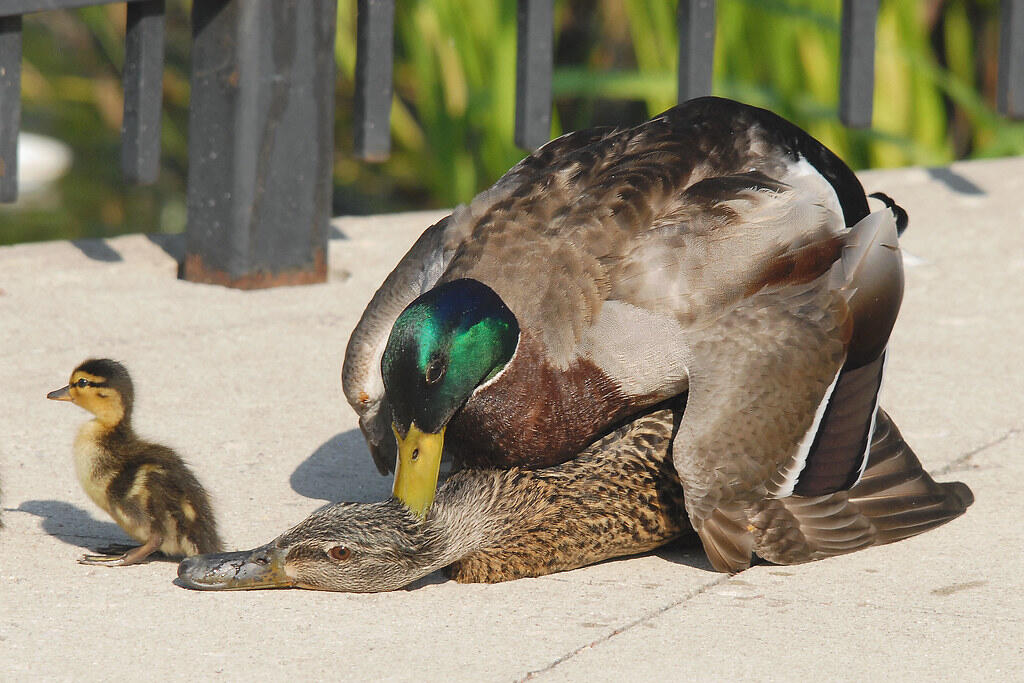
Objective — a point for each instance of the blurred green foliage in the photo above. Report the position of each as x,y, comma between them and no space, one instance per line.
453,111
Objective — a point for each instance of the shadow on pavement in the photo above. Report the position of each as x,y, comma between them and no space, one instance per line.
954,181
97,250
341,469
686,550
73,525
172,244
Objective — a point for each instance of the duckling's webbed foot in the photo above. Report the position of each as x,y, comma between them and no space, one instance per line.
115,549
132,554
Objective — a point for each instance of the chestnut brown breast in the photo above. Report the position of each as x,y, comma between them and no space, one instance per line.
534,415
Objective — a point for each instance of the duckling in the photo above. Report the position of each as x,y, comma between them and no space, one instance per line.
145,487
620,496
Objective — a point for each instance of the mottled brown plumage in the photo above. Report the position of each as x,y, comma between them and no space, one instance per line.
145,487
671,223
619,497
716,250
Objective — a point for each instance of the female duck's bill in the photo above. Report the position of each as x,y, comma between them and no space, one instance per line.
261,567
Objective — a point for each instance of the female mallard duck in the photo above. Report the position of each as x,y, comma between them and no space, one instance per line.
618,497
145,487
716,249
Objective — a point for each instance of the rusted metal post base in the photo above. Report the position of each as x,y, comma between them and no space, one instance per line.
261,142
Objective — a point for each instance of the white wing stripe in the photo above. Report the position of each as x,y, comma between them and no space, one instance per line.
790,475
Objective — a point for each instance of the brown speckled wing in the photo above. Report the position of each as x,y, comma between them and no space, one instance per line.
668,216
785,386
757,380
621,496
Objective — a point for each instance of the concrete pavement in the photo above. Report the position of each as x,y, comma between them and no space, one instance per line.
246,386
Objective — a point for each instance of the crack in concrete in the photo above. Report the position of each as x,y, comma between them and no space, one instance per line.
966,457
950,467
627,627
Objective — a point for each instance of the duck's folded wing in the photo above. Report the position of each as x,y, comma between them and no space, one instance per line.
784,388
760,380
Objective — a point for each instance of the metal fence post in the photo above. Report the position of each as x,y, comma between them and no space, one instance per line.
143,91
375,51
695,21
534,64
1011,58
261,142
857,62
10,105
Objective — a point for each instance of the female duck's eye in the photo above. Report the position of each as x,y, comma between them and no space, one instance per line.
435,370
340,553
82,382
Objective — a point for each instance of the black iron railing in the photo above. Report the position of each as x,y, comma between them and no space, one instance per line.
142,79
261,112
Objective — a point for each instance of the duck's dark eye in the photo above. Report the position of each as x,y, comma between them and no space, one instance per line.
435,371
340,553
82,382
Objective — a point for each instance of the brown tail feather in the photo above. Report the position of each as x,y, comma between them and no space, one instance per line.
898,496
961,491
895,499
727,541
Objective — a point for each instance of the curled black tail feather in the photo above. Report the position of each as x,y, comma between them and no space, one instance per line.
902,219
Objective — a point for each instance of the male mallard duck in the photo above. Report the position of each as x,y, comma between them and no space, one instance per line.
618,497
716,249
145,487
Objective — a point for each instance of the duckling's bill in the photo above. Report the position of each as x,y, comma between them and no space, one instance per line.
261,567
419,461
62,394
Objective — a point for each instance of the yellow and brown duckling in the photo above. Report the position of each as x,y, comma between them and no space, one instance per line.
619,497
145,487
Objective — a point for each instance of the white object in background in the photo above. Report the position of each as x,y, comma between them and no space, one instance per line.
41,161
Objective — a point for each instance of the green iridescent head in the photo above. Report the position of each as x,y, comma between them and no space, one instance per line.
444,345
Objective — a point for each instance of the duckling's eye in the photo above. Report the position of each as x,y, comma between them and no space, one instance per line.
340,553
82,382
435,371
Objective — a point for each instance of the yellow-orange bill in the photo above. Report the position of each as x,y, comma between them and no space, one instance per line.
419,461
